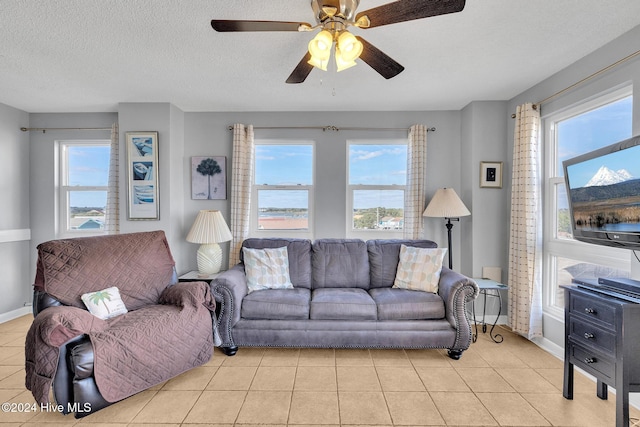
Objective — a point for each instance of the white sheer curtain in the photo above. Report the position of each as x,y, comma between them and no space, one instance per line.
414,195
525,260
112,211
242,172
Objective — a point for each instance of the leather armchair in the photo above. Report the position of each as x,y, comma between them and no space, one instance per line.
142,267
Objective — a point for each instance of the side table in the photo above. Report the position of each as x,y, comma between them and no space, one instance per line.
488,288
195,276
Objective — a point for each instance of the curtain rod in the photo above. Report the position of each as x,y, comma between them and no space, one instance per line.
332,128
586,79
46,129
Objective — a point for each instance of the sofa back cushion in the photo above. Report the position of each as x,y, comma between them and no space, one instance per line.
340,263
384,256
299,251
140,265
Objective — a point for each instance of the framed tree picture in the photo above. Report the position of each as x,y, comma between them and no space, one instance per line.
209,178
142,169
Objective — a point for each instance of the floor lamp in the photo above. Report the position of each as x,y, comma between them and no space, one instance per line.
446,204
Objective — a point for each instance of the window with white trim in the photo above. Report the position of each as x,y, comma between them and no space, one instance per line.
581,129
83,181
377,177
282,196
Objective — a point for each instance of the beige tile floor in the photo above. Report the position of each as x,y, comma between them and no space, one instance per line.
510,384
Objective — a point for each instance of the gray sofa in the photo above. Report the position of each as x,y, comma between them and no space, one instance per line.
343,298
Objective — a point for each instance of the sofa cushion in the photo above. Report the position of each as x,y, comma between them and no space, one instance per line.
342,304
267,268
277,304
404,304
384,256
340,263
419,269
299,252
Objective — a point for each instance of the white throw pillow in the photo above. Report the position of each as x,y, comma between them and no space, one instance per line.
267,268
419,268
104,304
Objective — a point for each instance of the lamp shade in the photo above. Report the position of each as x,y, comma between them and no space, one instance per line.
350,47
446,204
320,45
209,227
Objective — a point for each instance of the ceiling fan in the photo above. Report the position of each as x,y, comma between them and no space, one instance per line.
334,17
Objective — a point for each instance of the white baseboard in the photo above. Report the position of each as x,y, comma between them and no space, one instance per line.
490,319
14,314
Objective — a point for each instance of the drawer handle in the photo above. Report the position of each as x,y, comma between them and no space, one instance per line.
590,310
590,360
589,335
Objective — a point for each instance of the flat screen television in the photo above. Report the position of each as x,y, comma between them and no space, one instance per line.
603,188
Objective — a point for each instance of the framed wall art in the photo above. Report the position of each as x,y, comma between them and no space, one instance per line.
142,170
491,174
209,178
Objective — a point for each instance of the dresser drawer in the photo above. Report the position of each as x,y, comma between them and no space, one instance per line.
593,362
590,334
593,309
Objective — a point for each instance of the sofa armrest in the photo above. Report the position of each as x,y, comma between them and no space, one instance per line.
456,290
229,289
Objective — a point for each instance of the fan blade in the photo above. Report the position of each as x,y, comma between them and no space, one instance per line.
378,60
301,71
223,25
408,10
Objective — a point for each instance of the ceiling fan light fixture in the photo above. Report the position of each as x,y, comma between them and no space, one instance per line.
320,45
318,63
350,47
341,62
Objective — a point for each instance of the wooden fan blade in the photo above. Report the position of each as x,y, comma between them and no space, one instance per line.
378,60
224,26
301,71
408,10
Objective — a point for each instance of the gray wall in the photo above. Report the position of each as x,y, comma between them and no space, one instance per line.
485,237
628,73
14,217
208,134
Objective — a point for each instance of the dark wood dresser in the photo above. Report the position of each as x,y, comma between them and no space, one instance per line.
602,337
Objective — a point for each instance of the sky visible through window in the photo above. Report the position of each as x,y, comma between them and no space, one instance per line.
594,129
88,166
369,164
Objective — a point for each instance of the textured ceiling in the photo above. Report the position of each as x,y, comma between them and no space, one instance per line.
90,55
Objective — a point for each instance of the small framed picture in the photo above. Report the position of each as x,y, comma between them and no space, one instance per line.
142,170
491,174
209,178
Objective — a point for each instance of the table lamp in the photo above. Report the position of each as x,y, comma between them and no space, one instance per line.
209,229
447,204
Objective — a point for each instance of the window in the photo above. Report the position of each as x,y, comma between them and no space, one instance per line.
84,176
375,197
581,129
282,196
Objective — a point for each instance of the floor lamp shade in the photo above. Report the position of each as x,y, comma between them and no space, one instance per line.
446,204
209,229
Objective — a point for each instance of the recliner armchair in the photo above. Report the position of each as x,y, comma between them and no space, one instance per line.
90,363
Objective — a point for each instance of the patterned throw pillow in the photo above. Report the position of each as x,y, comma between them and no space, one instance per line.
419,269
104,304
267,268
